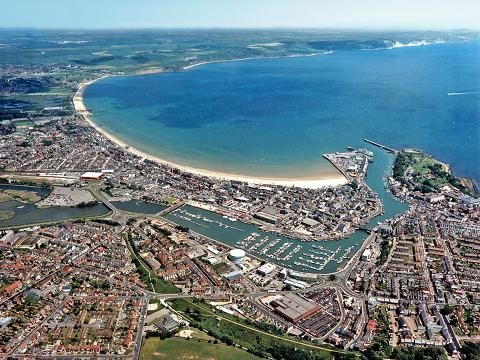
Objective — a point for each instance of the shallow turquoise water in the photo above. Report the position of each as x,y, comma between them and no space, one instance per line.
276,117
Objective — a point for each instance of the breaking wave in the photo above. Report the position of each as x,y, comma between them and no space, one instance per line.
463,93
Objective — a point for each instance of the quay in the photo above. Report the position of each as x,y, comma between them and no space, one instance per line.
339,168
389,149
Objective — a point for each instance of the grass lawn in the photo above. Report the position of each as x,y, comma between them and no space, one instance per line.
159,306
24,123
6,214
29,179
174,348
220,268
193,333
421,164
458,331
23,195
259,337
170,200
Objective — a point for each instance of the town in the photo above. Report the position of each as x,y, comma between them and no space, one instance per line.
106,253
97,286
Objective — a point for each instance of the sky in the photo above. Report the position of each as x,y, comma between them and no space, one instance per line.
362,14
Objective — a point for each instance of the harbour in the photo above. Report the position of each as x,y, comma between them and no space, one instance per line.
320,257
304,256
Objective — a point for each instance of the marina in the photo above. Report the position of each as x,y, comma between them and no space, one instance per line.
306,256
321,257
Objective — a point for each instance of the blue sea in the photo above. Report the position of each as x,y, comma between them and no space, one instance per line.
276,117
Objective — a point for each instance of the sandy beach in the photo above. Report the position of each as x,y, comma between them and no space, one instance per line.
313,183
249,58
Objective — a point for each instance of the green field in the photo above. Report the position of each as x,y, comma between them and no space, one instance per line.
173,348
23,123
6,214
260,338
421,172
170,200
19,195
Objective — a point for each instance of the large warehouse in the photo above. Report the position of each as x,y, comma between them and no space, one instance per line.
294,308
91,175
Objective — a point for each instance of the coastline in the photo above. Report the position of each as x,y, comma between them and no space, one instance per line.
309,182
188,67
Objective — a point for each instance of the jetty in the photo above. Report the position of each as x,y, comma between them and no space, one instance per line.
389,149
330,157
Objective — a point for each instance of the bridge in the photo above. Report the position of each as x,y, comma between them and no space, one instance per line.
365,228
175,206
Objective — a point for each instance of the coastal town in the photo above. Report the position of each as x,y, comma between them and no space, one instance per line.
98,286
106,250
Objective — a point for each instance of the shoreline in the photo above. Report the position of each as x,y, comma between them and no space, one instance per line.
188,67
306,182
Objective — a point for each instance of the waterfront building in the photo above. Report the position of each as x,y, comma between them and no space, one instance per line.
366,255
266,269
236,255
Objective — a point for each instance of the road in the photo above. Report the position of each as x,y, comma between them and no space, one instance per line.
339,282
139,336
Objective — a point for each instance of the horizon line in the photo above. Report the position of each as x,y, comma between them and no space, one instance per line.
134,28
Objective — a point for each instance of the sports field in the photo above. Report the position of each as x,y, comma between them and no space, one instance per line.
174,348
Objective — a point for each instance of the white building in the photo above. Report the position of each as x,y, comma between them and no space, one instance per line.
266,269
366,255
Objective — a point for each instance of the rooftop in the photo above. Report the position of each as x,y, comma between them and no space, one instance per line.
294,307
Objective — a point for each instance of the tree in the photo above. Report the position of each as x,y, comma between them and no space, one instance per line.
471,350
288,353
447,310
412,353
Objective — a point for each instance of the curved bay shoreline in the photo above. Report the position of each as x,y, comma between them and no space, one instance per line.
305,182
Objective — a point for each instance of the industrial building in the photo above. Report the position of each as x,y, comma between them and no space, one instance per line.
265,217
90,175
303,276
236,255
295,283
294,308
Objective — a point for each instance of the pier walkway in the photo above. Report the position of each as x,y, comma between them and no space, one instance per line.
389,149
